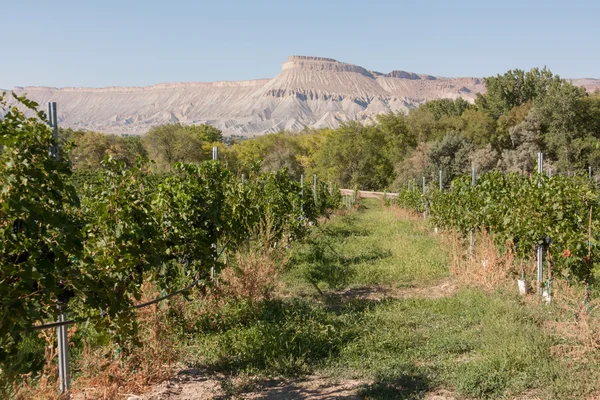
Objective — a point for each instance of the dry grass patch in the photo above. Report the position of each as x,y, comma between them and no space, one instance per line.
102,372
487,268
579,325
253,275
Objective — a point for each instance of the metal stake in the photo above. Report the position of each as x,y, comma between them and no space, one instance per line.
540,248
441,184
64,372
243,179
302,193
315,188
213,272
472,233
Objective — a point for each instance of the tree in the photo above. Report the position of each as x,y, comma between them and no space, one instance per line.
478,127
273,151
399,140
513,89
412,167
563,117
90,148
501,136
447,107
171,143
354,155
428,123
526,138
451,156
205,133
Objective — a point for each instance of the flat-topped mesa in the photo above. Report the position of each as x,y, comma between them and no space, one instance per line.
322,64
313,92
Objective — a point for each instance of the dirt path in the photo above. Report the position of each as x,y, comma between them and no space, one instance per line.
198,384
190,384
194,384
380,292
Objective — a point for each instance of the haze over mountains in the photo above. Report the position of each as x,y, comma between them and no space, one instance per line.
309,92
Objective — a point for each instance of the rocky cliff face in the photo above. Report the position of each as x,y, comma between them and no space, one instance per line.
309,92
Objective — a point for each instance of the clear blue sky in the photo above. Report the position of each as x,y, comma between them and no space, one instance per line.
137,43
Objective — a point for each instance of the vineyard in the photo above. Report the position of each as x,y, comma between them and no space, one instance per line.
340,290
557,213
86,243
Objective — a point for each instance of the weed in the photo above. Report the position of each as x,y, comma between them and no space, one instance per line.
253,275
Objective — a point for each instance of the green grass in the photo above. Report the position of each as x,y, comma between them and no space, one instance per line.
369,247
473,344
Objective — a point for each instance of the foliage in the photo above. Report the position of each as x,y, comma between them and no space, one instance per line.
170,144
557,214
90,148
92,239
122,245
355,155
451,156
206,133
40,239
514,88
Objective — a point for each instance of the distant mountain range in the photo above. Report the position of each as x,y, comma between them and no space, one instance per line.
309,92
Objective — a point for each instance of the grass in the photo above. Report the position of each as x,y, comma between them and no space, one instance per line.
471,343
360,299
369,247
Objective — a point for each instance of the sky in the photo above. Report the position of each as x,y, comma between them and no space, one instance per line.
63,43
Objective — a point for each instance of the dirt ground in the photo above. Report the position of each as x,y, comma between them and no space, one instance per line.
443,289
192,385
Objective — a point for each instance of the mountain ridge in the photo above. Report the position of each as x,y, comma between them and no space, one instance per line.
315,92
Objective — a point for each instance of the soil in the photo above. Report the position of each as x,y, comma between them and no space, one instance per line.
193,384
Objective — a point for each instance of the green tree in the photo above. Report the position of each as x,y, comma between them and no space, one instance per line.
205,133
478,127
399,140
172,143
355,155
90,148
447,107
513,89
451,155
564,117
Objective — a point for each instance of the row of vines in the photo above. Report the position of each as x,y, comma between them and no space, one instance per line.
559,213
89,241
